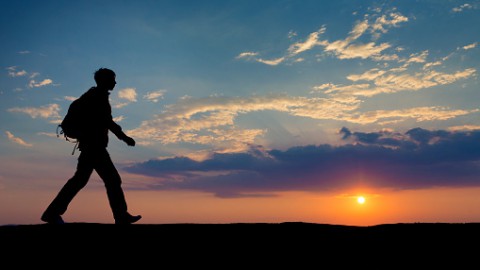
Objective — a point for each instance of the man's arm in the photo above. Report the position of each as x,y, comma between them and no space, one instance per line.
117,130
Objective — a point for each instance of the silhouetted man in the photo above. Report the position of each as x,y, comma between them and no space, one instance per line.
93,141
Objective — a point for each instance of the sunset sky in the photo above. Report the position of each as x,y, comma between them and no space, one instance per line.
249,111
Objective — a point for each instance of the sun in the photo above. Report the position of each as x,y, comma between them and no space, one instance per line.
361,199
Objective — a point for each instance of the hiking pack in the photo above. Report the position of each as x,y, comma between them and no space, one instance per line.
71,125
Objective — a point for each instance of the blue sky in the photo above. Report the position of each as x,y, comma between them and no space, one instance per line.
217,87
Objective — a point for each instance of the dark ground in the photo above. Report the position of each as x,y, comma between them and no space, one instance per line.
244,243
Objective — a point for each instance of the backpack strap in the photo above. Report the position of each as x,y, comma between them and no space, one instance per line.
74,147
66,138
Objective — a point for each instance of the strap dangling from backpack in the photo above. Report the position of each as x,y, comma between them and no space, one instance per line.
75,147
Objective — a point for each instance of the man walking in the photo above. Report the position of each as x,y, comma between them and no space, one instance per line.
96,122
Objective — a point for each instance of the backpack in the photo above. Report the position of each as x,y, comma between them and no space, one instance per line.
71,125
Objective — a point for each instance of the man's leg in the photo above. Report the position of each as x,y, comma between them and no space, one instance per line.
60,204
113,183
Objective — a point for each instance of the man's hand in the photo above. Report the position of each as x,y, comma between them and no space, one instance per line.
130,141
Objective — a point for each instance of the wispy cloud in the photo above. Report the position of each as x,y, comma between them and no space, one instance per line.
120,105
48,134
462,7
154,96
347,48
383,22
418,158
470,46
48,111
206,120
12,72
211,121
309,43
44,82
17,140
246,55
419,114
119,118
69,98
418,57
253,56
464,127
358,50
33,75
376,81
272,62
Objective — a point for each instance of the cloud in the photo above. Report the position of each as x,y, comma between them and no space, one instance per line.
418,158
394,80
348,48
154,96
17,140
432,64
462,7
211,120
120,105
129,94
252,56
33,75
309,43
360,50
419,114
370,75
390,20
12,72
246,55
444,78
69,98
470,46
44,82
272,62
48,111
418,58
119,118
345,49
464,127
48,134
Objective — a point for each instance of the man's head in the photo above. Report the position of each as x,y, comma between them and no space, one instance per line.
105,78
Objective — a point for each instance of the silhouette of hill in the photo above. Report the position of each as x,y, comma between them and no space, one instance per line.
240,241
401,232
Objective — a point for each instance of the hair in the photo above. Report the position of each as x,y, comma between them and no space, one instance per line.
103,74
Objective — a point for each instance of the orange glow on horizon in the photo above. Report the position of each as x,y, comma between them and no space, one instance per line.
159,207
